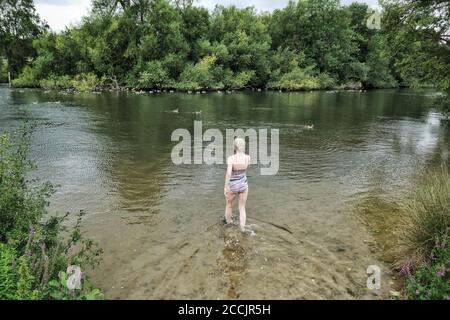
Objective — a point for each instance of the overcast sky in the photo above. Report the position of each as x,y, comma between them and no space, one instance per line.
62,13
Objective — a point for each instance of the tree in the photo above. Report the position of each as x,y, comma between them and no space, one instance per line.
321,29
418,34
19,25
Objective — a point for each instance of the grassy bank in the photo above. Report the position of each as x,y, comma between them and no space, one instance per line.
414,235
36,249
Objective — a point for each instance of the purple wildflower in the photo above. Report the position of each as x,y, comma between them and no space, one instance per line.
406,269
441,273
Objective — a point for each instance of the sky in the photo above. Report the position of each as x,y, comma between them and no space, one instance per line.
62,13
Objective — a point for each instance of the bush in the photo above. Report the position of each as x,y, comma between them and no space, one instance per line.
16,279
154,76
326,81
3,70
297,79
432,281
239,80
20,205
198,76
33,252
85,82
424,217
27,79
56,83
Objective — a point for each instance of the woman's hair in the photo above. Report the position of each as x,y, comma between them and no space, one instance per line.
239,145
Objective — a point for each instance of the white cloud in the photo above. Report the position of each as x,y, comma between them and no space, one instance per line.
60,14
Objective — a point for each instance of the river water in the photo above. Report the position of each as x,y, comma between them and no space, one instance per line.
160,224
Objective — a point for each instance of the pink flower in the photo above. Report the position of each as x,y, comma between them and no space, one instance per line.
406,269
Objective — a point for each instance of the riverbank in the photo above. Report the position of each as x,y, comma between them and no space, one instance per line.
92,83
413,235
73,87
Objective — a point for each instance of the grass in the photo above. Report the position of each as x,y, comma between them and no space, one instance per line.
424,218
413,234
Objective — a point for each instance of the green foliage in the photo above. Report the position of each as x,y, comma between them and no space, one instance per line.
85,82
57,289
27,79
198,76
166,44
20,205
16,278
298,79
321,29
19,25
56,82
326,81
424,217
418,39
34,251
238,80
154,76
379,74
3,69
432,280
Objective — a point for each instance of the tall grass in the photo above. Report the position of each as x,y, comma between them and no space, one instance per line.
424,217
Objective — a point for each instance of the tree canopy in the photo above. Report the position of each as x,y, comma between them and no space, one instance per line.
162,44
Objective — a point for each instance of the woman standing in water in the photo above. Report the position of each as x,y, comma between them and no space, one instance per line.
236,182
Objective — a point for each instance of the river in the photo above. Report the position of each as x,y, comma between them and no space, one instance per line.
160,224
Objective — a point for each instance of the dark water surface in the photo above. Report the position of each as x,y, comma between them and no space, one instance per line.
158,223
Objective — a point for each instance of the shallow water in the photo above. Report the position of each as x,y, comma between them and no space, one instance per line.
159,224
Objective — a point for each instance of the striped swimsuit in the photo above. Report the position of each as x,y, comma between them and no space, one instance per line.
238,181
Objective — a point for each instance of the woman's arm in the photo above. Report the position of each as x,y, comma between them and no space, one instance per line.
226,188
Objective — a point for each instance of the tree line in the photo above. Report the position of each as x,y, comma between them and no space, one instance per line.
162,44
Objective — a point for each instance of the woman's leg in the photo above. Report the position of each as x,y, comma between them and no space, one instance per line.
242,212
229,207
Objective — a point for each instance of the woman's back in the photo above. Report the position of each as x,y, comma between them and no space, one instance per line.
239,161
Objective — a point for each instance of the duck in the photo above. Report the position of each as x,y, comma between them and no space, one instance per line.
177,110
309,127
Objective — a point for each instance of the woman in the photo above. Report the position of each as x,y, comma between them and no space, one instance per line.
236,182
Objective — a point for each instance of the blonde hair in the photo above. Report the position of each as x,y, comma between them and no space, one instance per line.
239,145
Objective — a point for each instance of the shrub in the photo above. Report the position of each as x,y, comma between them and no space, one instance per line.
56,82
20,205
424,217
297,79
27,79
154,76
33,252
198,76
3,70
432,281
85,82
240,79
326,81
16,278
